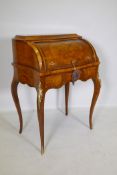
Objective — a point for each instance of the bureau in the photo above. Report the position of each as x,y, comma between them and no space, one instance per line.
51,61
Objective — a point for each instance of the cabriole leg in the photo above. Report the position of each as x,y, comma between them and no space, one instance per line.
40,112
66,97
14,86
97,85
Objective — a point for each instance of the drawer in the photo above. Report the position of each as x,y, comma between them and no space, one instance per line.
57,80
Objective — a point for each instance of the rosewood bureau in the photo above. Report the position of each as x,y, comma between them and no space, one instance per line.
51,61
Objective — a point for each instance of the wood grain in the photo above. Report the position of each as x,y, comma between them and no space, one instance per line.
48,61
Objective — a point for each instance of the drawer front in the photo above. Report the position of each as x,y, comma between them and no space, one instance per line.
57,80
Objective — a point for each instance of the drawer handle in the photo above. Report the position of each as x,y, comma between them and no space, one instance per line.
75,74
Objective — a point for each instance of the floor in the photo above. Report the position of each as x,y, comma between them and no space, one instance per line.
71,148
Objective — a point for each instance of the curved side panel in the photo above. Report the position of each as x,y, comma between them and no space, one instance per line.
94,52
23,54
37,54
26,75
